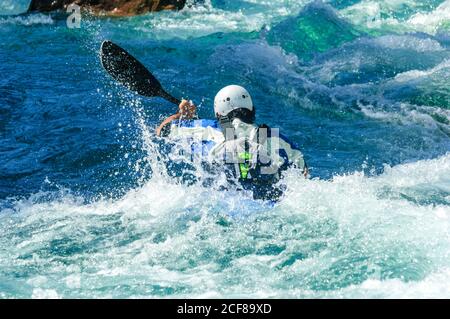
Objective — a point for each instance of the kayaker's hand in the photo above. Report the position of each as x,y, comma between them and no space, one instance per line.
187,109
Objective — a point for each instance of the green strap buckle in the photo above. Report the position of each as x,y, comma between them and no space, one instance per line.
244,168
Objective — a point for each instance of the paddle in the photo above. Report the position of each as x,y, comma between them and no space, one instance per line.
123,67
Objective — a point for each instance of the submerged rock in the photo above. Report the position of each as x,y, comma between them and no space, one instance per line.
109,7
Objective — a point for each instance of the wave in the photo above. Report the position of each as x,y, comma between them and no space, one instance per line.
399,16
368,76
392,230
416,74
360,78
434,22
425,87
317,28
389,77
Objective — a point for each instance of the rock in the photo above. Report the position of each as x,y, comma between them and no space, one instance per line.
109,7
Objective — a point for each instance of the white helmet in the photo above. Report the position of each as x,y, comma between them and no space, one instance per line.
230,98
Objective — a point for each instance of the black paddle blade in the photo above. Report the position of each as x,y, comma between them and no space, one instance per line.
123,67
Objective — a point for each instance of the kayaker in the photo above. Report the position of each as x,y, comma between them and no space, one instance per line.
256,154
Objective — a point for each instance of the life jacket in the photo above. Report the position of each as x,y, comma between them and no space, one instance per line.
246,153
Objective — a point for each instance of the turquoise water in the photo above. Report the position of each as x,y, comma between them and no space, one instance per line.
87,209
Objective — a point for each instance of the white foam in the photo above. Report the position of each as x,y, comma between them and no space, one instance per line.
416,74
431,22
201,20
29,20
409,43
406,113
351,215
372,15
39,293
434,286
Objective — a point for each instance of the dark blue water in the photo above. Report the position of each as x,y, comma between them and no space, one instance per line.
362,87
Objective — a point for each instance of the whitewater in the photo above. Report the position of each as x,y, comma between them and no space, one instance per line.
89,208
